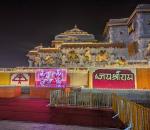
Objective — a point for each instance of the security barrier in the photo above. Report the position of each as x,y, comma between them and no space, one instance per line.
133,115
79,98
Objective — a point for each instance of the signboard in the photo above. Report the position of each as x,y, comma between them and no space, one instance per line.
114,79
20,79
53,78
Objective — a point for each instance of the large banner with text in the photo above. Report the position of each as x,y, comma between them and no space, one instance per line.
114,78
52,78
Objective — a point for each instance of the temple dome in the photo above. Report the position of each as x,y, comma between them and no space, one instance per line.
75,35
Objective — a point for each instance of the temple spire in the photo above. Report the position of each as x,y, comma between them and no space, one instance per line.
75,26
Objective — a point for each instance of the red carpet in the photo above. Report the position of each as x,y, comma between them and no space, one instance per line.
35,110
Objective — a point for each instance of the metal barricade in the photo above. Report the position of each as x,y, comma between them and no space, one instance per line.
80,99
134,115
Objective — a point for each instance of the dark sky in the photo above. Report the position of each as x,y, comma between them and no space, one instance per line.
25,23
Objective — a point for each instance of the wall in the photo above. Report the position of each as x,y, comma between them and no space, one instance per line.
145,21
32,79
118,34
78,78
141,33
134,26
84,78
4,78
10,92
132,48
143,78
40,92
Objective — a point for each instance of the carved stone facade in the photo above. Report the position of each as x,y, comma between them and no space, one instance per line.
117,33
86,57
127,42
135,28
77,52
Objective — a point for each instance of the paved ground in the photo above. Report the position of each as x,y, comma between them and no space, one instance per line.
13,125
35,110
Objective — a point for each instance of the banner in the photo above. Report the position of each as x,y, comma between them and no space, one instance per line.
114,79
53,78
20,79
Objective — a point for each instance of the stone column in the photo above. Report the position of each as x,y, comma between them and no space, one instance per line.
81,63
110,35
30,63
139,25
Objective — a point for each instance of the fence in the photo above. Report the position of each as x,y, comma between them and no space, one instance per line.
79,98
132,114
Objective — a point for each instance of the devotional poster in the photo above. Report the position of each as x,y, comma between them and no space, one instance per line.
52,78
114,78
20,79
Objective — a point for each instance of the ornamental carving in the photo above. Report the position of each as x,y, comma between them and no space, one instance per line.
102,56
72,56
49,60
87,56
37,60
120,61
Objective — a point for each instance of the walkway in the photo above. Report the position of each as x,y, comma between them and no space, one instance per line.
13,125
35,110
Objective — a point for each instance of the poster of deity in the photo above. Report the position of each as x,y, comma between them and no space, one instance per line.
53,78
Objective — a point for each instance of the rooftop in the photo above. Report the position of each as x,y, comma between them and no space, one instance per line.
75,35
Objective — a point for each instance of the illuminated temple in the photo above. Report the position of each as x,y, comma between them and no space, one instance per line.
81,81
127,42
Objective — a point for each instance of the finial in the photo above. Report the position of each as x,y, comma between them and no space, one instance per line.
75,26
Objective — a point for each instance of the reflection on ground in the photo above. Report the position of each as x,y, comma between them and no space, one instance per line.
17,125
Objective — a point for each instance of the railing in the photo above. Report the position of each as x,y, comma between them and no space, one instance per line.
134,115
79,98
21,70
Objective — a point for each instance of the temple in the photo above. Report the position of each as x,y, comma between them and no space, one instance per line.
127,41
80,81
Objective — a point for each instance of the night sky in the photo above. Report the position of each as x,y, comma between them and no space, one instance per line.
26,23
